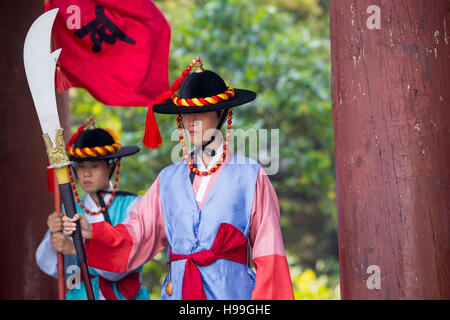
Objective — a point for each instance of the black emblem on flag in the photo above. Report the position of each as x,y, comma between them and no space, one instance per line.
97,28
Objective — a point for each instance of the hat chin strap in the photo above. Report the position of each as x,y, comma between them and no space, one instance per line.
211,152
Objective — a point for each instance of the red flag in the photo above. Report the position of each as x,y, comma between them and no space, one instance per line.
117,50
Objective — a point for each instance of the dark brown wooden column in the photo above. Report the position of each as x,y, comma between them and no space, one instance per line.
25,200
391,113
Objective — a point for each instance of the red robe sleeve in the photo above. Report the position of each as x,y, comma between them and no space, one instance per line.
130,244
273,281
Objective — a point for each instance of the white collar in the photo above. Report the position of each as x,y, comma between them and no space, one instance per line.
90,204
201,165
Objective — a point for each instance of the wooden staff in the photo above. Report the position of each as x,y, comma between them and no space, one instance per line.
60,256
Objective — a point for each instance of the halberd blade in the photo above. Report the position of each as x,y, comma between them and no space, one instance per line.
40,65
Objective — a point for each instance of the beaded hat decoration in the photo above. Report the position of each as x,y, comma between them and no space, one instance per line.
92,143
199,91
222,158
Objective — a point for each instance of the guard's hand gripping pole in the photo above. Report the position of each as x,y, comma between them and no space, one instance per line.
60,163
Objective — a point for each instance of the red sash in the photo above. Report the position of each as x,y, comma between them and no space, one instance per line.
230,243
128,286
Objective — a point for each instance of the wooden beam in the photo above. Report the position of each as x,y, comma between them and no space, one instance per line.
391,103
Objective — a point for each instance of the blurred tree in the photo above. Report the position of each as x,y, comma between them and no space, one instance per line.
286,61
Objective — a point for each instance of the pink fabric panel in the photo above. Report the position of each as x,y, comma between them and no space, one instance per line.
146,228
265,232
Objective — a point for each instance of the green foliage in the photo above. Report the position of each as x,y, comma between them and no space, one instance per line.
320,283
154,272
281,51
308,286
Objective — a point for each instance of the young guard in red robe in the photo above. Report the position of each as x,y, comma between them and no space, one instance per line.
209,209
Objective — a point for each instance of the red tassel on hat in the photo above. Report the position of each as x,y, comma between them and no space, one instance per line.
176,84
79,130
152,136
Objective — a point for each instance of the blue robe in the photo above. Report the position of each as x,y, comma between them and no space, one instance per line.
189,230
46,257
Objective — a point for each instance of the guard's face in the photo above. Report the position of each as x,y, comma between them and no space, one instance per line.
200,127
93,175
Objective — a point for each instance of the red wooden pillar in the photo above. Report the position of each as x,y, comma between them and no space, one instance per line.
26,202
391,113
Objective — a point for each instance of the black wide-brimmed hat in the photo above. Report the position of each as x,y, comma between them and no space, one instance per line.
200,91
204,91
96,144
